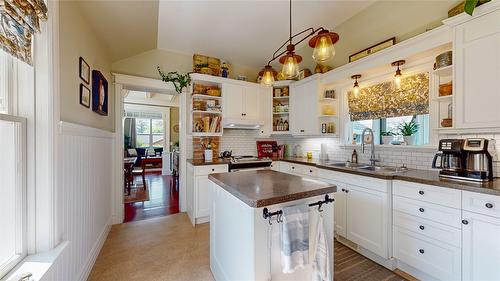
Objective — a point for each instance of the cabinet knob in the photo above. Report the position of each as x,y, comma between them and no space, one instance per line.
293,167
422,227
421,210
310,171
301,131
346,191
343,190
465,221
213,170
421,192
421,251
489,205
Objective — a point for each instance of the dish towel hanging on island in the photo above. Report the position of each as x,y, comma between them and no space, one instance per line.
294,238
321,259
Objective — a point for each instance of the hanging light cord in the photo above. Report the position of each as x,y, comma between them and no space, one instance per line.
311,31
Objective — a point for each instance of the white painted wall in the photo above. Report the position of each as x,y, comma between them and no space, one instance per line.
83,197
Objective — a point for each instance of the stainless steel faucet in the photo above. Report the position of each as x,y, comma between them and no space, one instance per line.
372,156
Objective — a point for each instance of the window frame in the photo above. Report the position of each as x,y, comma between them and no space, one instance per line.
151,134
21,196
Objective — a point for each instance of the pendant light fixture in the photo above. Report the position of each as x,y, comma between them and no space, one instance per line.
355,87
268,75
397,76
322,42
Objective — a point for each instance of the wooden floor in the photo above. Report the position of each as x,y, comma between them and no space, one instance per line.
169,248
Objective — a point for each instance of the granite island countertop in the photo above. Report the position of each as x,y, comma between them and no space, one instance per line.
430,177
201,162
262,188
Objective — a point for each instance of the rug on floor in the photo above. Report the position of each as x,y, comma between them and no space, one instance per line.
137,194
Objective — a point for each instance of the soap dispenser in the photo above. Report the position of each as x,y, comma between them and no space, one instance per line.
354,156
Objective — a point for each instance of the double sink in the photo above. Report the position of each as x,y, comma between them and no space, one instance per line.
367,167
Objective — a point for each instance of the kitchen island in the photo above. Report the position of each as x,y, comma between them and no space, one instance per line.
243,244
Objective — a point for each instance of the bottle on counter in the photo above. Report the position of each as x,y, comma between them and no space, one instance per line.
286,126
354,156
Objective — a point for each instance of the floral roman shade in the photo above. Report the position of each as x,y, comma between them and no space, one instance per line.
19,20
384,100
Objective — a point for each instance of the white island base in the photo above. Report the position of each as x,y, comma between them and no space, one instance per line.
239,244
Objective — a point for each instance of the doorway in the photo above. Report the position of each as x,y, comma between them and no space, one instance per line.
148,149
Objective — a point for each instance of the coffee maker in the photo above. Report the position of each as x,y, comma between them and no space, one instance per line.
464,159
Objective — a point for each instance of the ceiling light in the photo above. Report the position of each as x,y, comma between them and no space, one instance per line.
355,87
268,74
397,76
322,43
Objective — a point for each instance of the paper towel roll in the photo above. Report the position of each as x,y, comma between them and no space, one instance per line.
323,155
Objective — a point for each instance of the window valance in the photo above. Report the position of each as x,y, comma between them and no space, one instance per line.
19,20
384,100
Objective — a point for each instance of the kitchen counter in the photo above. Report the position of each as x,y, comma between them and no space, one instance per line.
201,162
266,187
430,177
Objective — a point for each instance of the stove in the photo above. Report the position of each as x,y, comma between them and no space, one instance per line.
248,162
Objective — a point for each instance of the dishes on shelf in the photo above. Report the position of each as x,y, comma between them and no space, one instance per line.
446,89
443,60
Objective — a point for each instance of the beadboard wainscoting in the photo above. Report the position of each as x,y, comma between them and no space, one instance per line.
83,198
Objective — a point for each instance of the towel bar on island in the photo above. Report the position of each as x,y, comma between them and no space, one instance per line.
268,215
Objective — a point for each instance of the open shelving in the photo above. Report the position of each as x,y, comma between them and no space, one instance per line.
444,104
281,109
206,109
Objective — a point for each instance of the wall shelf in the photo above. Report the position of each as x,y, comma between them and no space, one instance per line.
200,96
281,98
204,134
444,71
207,112
280,133
328,99
443,98
281,113
327,116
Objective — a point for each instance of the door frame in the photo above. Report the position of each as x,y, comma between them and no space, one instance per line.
123,84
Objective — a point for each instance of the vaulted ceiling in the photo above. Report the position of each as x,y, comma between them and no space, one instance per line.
242,32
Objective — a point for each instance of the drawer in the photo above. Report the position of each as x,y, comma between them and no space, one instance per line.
481,203
433,212
298,169
428,228
428,193
432,257
210,169
352,179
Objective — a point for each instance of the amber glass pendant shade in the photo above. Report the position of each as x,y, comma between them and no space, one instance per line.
323,45
268,74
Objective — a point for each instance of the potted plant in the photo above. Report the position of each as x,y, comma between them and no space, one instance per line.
387,137
208,153
408,131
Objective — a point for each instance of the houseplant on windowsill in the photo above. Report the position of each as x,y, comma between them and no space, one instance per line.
409,130
387,137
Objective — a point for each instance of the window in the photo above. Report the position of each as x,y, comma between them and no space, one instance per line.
12,171
150,132
391,125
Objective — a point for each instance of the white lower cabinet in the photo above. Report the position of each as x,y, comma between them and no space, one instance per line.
480,237
434,258
340,197
367,219
199,191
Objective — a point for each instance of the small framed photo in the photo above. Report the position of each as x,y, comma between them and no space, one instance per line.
84,96
84,71
99,93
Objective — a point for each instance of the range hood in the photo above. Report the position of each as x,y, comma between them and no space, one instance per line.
229,123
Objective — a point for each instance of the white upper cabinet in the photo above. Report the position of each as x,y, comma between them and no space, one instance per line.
477,72
266,108
304,108
233,101
242,102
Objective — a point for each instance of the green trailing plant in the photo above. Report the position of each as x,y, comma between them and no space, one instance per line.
387,134
408,128
180,81
470,5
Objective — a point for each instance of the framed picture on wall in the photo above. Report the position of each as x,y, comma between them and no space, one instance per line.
84,71
99,93
84,96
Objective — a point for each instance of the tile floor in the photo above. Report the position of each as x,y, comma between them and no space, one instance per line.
170,248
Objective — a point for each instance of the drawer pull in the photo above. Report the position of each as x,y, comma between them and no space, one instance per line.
343,190
213,170
421,192
465,221
293,167
421,251
489,205
422,227
310,171
346,191
421,210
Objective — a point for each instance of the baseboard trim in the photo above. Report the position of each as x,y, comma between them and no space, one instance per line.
94,253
